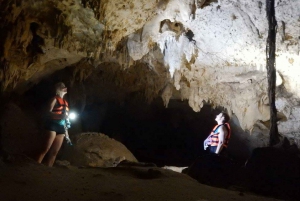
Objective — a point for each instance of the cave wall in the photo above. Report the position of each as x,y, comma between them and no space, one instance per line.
199,51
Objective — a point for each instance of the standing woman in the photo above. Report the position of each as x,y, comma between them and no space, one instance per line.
57,113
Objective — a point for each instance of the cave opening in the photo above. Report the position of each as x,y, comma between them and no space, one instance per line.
153,133
165,136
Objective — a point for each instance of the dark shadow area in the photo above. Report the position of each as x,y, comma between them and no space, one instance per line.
274,172
190,35
271,172
165,136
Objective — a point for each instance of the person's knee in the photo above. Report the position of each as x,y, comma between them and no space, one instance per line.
47,140
45,150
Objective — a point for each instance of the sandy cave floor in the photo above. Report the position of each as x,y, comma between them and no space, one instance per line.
26,180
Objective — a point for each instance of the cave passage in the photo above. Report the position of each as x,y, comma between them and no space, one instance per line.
153,133
170,136
164,136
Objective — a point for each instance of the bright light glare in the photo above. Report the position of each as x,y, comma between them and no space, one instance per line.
72,115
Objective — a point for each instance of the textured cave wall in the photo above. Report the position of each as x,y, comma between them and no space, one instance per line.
214,52
41,37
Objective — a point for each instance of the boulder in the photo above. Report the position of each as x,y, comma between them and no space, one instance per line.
19,131
274,171
213,170
98,150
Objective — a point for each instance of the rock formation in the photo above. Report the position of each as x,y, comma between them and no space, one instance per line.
204,51
98,150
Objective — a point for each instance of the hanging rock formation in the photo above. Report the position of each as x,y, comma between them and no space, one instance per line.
201,51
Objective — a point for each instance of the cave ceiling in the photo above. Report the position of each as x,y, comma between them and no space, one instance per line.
202,51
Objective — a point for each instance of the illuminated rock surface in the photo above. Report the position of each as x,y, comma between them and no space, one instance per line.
205,52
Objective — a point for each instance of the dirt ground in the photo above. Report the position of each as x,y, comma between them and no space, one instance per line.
22,179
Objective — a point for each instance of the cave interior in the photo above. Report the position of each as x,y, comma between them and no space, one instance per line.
153,75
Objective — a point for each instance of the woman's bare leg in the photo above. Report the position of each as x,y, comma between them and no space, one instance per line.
47,141
54,150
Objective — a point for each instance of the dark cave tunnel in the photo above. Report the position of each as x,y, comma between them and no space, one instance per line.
164,136
153,133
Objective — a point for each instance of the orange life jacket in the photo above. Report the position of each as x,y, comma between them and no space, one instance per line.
215,135
60,107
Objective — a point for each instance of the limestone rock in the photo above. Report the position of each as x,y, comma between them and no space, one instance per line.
63,163
98,150
19,132
214,51
214,170
273,171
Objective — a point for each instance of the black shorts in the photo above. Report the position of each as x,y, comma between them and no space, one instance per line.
213,149
54,126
